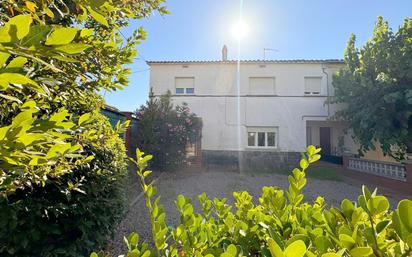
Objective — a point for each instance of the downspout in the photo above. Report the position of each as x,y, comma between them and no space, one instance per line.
327,88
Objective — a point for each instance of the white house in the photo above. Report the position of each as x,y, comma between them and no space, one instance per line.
264,112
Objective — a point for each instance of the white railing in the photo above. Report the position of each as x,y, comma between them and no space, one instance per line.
384,169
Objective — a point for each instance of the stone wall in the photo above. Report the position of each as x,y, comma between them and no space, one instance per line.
250,160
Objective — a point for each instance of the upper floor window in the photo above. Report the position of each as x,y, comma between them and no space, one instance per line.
262,85
185,85
313,85
262,137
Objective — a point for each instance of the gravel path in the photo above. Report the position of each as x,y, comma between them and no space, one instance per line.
220,184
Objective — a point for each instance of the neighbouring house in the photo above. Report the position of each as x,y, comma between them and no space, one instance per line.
115,115
262,113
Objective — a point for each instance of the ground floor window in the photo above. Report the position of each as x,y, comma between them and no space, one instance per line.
262,137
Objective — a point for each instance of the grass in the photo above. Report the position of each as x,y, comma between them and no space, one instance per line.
321,173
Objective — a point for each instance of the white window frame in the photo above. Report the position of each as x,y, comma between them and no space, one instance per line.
265,130
185,88
312,93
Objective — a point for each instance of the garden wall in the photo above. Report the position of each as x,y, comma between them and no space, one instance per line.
397,176
250,160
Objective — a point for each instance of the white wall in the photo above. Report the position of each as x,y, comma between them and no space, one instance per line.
214,101
220,78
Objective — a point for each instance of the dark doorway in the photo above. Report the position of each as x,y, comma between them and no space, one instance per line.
324,139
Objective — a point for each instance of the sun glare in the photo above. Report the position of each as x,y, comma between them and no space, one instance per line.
240,30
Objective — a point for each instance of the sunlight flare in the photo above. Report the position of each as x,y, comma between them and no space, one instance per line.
240,30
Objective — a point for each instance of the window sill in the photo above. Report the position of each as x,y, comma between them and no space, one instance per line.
262,148
314,95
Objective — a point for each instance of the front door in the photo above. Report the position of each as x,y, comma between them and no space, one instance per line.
324,139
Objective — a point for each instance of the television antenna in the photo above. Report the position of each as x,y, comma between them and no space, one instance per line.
268,49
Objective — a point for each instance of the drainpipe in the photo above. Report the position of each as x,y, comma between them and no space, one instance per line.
327,88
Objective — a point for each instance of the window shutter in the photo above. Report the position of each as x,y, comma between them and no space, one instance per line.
313,85
185,82
262,85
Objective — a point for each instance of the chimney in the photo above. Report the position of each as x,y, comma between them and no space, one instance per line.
224,53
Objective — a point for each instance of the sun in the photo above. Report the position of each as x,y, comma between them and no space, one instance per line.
240,30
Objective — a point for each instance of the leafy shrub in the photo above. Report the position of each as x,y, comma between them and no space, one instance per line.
54,57
61,165
280,225
73,213
165,130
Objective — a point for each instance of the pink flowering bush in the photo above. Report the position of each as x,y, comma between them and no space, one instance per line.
165,130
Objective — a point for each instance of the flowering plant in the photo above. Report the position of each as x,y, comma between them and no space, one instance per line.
166,130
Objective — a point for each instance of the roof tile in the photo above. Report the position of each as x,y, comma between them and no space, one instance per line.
337,61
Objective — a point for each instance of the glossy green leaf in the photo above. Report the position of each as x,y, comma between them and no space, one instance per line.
347,207
361,252
231,249
84,118
274,248
86,32
3,131
98,17
311,150
37,161
4,56
304,164
61,36
57,149
405,213
17,62
15,29
146,254
15,78
73,48
37,34
314,158
378,205
296,249
347,241
322,243
381,226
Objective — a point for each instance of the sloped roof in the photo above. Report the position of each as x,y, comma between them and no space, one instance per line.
298,61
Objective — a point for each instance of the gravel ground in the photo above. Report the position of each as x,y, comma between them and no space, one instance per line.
217,183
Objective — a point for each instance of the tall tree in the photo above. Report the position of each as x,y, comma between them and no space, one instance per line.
376,89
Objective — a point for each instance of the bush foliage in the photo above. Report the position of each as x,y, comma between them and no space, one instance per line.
281,224
61,164
165,131
375,87
70,215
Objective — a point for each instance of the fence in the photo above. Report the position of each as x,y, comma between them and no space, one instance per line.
384,169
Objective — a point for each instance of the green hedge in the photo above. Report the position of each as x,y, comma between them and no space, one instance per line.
74,213
280,224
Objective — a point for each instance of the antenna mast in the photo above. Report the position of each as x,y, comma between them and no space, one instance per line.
268,49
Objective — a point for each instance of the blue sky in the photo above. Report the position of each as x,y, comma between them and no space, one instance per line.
298,29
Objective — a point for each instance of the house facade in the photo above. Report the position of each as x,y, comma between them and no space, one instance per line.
260,113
